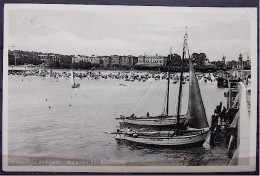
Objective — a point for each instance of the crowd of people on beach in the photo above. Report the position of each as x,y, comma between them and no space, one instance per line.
117,75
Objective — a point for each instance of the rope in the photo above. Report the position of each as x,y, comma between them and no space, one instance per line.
139,97
179,48
156,88
150,97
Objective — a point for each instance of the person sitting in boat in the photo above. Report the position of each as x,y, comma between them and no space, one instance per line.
147,114
129,131
119,134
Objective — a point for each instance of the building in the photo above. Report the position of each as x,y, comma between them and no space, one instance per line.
115,60
156,60
127,60
106,61
43,57
48,58
92,59
135,60
79,58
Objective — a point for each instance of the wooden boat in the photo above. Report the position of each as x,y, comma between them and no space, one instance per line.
153,121
187,137
73,84
195,129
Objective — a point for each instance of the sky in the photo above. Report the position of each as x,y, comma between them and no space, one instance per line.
129,30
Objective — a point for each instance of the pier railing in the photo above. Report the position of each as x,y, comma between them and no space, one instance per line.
244,154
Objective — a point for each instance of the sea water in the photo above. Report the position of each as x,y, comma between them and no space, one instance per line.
49,119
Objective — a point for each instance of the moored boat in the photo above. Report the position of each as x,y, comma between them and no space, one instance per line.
188,137
163,120
153,121
195,129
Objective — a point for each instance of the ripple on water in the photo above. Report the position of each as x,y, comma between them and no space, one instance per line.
77,131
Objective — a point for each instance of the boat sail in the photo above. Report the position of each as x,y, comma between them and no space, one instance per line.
72,79
195,129
160,121
196,117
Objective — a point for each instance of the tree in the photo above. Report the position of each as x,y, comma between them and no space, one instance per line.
231,64
101,62
224,59
11,59
173,60
65,61
240,58
199,59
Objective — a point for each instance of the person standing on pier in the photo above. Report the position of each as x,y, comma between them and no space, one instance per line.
222,115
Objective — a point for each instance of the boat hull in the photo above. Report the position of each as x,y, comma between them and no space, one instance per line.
151,122
75,85
185,140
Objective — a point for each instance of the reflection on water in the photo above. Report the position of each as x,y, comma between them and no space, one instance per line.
47,118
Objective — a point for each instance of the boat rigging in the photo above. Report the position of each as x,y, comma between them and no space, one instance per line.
195,129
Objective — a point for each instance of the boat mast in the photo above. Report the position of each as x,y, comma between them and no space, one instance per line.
181,78
168,86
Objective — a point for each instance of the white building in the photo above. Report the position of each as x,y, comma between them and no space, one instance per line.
48,58
92,59
156,60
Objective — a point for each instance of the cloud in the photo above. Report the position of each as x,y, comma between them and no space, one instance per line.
106,30
69,43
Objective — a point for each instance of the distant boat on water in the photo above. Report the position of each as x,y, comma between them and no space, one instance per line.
73,84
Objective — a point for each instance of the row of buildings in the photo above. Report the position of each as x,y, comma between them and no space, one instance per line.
116,60
18,57
105,61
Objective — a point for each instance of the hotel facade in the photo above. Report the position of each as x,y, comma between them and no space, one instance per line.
156,60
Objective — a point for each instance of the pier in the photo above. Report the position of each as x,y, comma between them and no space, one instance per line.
243,154
236,131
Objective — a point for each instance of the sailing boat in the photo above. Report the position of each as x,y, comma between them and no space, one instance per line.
160,121
73,84
195,129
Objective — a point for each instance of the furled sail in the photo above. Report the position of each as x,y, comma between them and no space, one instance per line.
196,117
